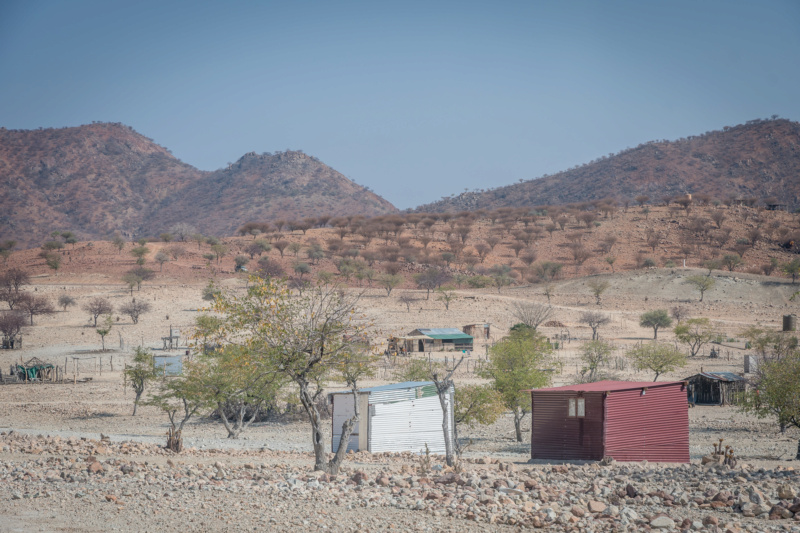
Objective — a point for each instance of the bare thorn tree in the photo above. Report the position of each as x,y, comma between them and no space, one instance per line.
531,314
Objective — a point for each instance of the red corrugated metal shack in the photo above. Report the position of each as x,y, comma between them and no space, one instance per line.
626,420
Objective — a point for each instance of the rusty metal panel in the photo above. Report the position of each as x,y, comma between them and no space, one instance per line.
555,435
652,426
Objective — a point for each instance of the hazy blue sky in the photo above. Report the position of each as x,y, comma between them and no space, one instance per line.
414,99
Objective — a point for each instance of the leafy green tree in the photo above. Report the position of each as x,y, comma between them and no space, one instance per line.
731,261
389,282
303,339
140,253
659,358
134,309
776,393
219,250
132,280
118,242
694,332
771,391
519,361
140,374
161,258
65,301
210,292
104,329
598,288
594,320
594,355
53,260
226,382
792,269
701,283
98,306
656,319
446,296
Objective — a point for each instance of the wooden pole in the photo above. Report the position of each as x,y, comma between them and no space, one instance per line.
74,372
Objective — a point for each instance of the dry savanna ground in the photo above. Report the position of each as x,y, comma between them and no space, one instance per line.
263,480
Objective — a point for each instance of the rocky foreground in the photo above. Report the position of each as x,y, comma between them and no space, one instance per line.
96,485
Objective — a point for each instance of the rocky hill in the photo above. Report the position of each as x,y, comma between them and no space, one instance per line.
101,178
760,159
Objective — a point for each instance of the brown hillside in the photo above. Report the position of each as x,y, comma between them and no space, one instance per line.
103,178
759,159
288,185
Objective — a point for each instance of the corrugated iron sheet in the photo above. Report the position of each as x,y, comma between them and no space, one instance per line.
555,435
609,386
408,426
652,426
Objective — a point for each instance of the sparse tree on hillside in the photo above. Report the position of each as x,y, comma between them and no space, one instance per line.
658,318
731,261
718,217
98,306
33,305
104,329
219,250
792,268
183,231
531,314
597,287
140,253
135,309
52,260
65,301
176,251
701,283
407,300
11,323
161,258
594,320
446,296
281,246
656,357
642,199
389,282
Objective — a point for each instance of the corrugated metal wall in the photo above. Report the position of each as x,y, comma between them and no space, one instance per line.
555,435
406,426
654,426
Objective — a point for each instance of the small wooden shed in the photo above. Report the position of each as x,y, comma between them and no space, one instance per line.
481,331
401,417
715,388
626,420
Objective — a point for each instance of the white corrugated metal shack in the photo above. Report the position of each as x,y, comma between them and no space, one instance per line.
401,417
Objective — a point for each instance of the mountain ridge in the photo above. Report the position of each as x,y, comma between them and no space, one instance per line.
102,178
758,159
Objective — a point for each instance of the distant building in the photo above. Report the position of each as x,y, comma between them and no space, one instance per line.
629,421
715,388
482,331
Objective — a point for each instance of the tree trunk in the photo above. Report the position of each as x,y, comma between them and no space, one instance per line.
448,445
655,334
797,456
518,423
347,431
136,401
316,423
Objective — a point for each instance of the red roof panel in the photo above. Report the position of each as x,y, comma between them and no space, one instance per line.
607,386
